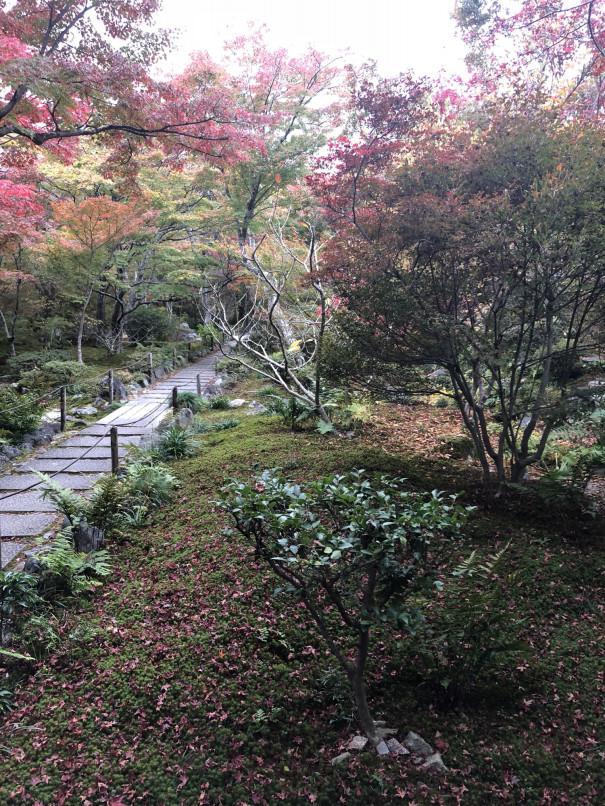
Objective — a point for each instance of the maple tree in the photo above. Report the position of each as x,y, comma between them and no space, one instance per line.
88,234
482,256
76,68
557,44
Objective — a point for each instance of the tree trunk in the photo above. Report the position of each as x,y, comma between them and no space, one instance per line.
81,324
355,672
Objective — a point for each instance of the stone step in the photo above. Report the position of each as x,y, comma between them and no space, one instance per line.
23,481
25,502
28,525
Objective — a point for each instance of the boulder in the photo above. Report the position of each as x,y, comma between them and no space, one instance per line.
434,763
235,404
396,748
33,566
87,538
119,390
416,744
184,418
10,452
99,402
158,373
3,460
340,759
357,743
382,749
86,411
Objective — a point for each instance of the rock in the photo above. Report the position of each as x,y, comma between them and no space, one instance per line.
65,523
184,418
357,743
339,759
396,748
416,744
86,411
237,402
434,763
3,460
134,388
384,733
119,390
51,416
99,402
144,381
438,373
10,452
382,749
87,538
33,566
158,373
257,408
80,423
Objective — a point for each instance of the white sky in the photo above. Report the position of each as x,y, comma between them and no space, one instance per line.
398,34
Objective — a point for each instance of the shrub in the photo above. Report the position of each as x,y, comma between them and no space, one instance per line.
472,631
361,544
176,443
35,359
53,373
291,410
149,484
19,414
17,596
220,403
149,323
191,400
460,446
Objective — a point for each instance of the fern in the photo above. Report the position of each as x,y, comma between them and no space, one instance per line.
68,503
69,571
325,428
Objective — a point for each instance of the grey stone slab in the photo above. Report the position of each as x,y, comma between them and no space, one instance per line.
10,550
25,525
23,481
75,452
89,441
25,502
103,430
45,465
89,466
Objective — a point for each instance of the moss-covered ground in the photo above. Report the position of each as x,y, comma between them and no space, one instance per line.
198,686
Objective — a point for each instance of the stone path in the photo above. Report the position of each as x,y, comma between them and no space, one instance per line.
79,460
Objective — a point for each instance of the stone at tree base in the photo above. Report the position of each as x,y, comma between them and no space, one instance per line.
184,418
384,733
416,744
237,402
396,748
357,743
434,763
340,759
382,749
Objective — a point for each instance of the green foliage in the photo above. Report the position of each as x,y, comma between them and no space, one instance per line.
564,485
176,443
68,503
460,446
53,374
17,596
201,427
150,323
149,485
7,700
473,630
19,414
220,403
35,359
191,400
66,571
325,428
336,693
292,411
105,505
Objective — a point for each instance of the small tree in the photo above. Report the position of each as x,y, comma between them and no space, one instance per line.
353,550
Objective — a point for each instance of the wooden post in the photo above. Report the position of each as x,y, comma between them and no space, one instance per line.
188,351
63,407
115,456
211,342
150,367
199,385
174,357
175,400
111,386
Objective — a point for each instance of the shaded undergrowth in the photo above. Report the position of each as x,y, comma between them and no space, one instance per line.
198,686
